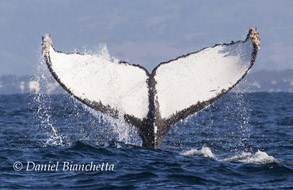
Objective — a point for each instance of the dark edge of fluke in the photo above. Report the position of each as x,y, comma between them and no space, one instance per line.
146,127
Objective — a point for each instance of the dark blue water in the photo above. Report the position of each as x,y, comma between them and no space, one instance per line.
244,141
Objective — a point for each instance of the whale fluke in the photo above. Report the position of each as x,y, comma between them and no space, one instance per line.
153,102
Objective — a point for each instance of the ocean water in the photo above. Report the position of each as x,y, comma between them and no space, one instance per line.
243,141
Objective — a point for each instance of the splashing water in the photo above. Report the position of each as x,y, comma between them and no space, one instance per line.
232,113
124,132
43,111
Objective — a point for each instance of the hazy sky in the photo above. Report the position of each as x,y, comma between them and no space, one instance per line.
142,32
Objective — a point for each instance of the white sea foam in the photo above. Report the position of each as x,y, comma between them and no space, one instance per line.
204,151
256,158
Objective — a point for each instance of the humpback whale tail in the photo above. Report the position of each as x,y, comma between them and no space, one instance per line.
153,102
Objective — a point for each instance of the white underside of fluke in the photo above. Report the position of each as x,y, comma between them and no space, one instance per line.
200,76
94,77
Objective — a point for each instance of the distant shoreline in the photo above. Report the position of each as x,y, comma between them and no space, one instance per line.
259,81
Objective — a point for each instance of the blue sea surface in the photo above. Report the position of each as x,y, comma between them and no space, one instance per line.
243,141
